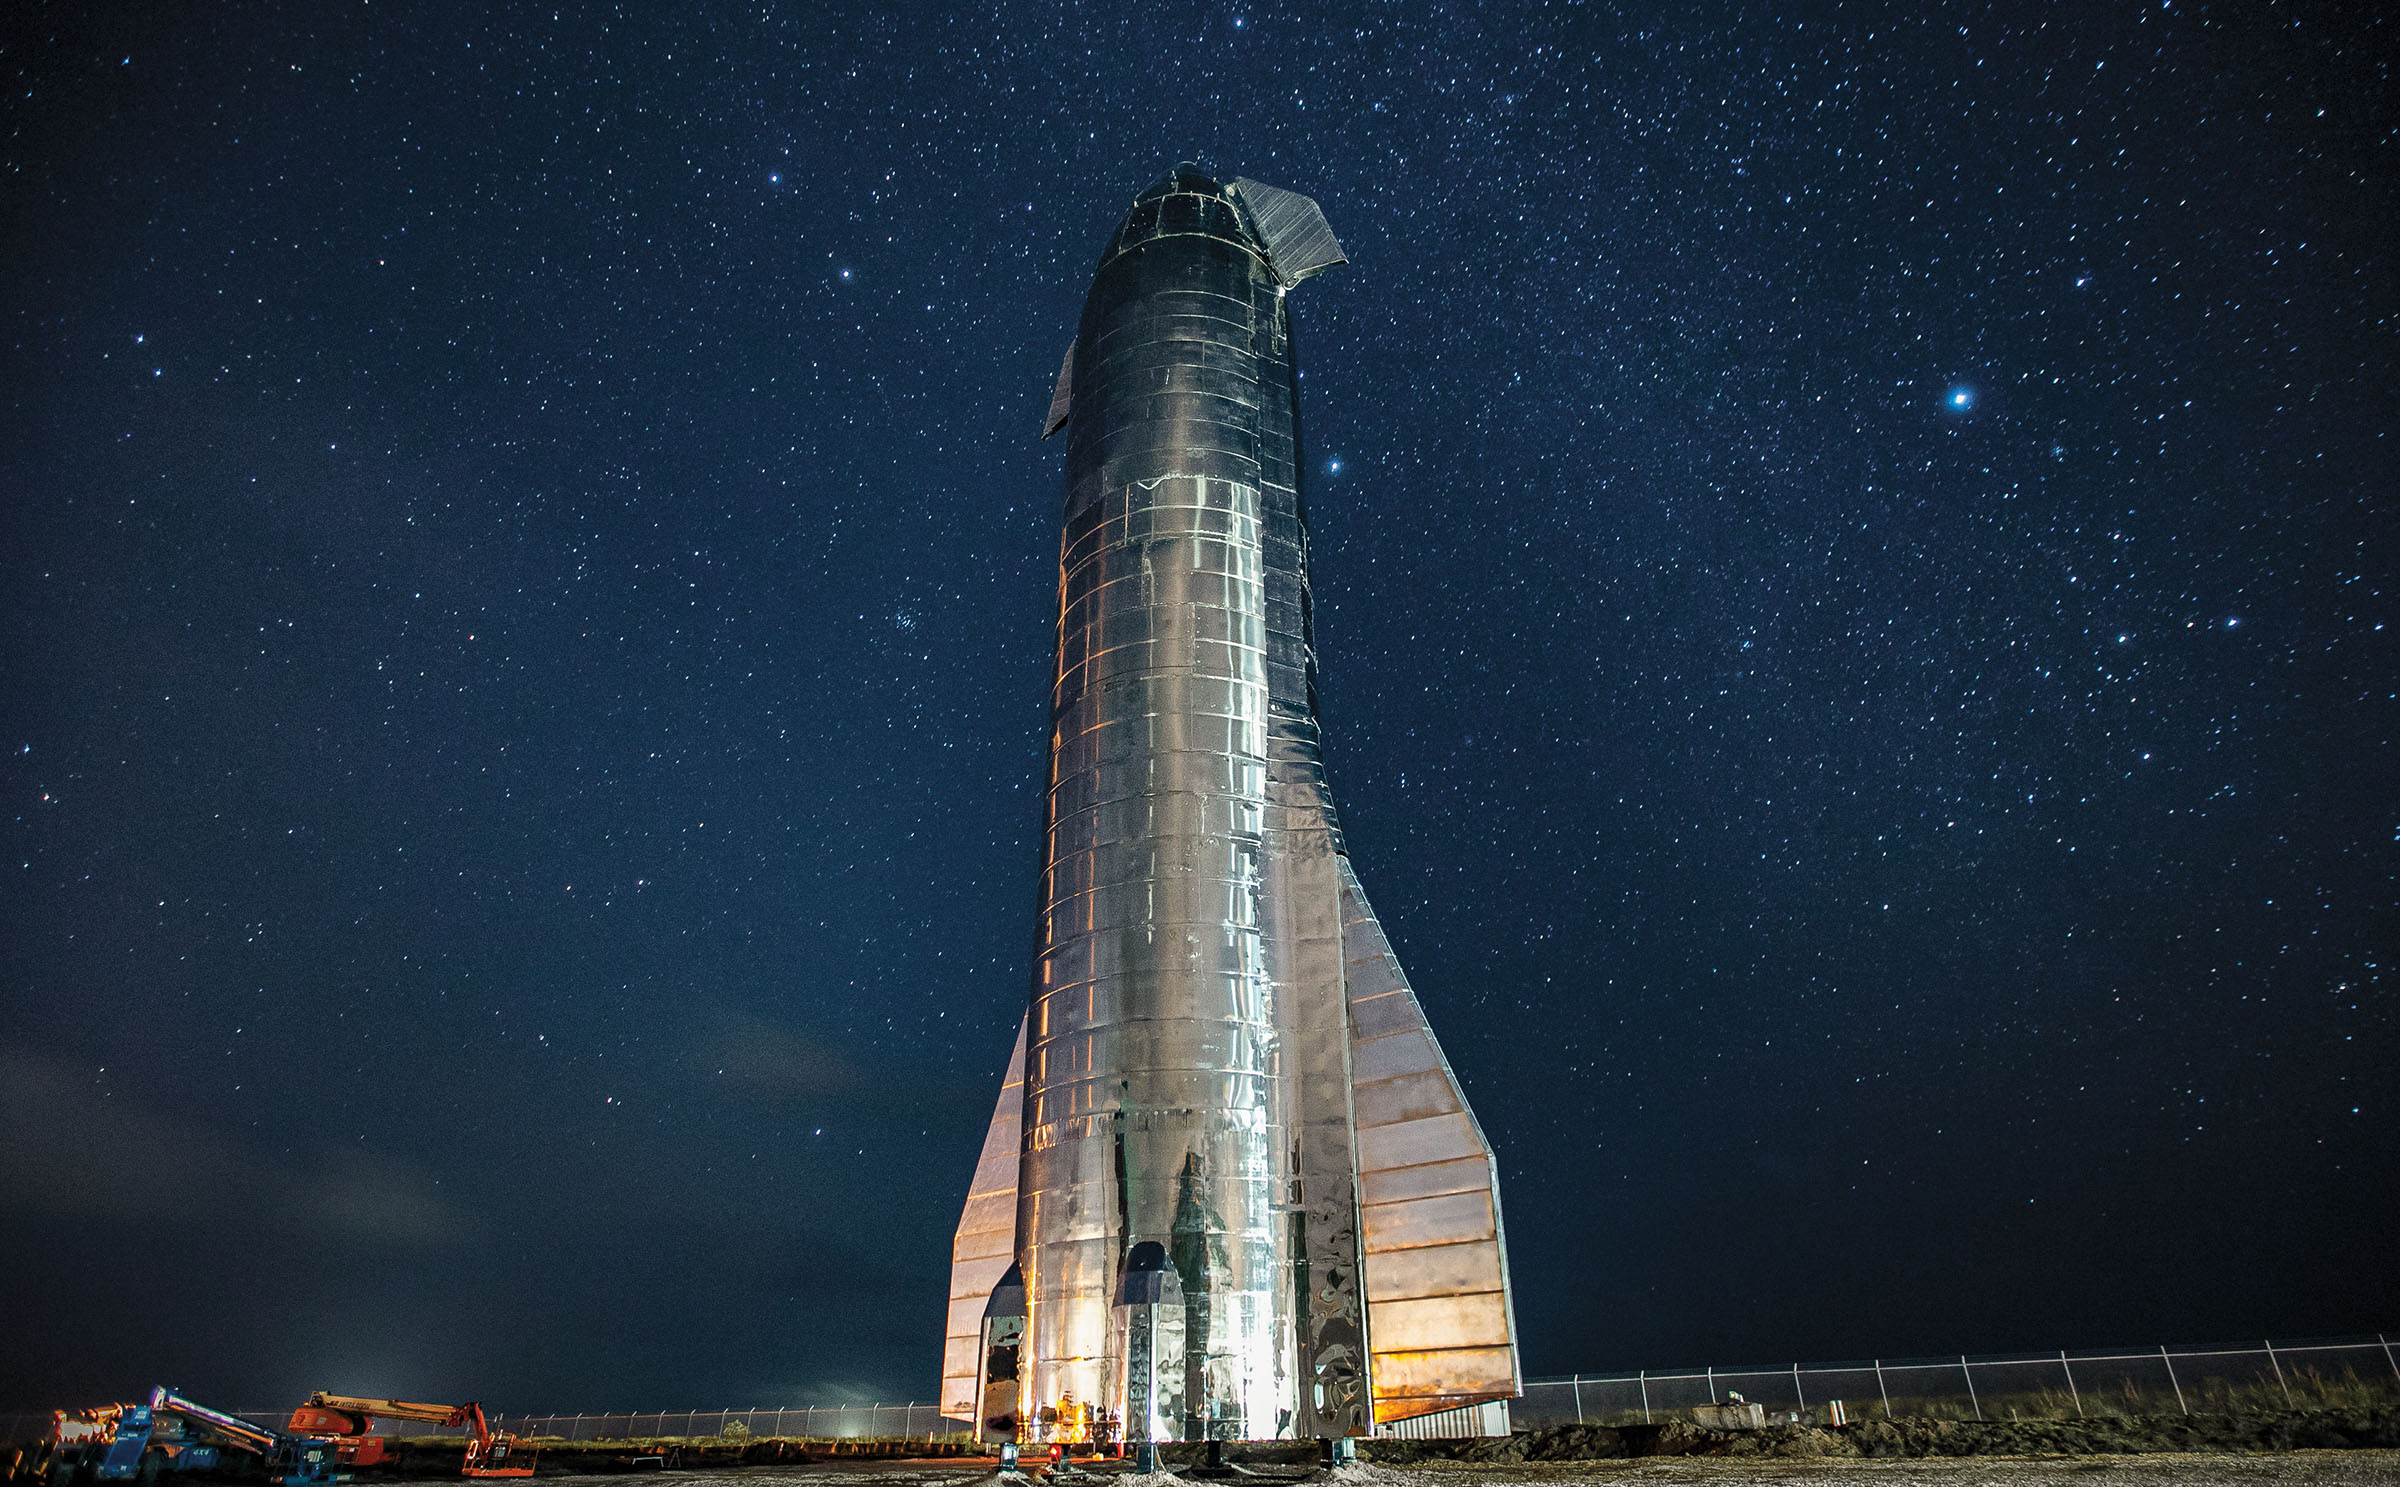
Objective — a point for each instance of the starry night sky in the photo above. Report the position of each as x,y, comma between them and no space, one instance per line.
1854,574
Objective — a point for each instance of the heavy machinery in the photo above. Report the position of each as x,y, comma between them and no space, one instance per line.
351,1424
287,1459
143,1443
112,1443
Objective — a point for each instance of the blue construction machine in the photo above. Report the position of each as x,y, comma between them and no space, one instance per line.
287,1459
123,1442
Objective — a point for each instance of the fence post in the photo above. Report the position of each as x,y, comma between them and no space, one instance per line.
1575,1384
2387,1354
2271,1363
2178,1383
1880,1389
1712,1382
1797,1392
1970,1373
2072,1392
1644,1379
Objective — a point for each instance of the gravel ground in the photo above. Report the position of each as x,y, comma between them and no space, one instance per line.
2316,1468
2319,1468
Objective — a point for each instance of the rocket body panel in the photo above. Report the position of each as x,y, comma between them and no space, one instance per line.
986,1243
1438,1304
1191,1078
1154,1109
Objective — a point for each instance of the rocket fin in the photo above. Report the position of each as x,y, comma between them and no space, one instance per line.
1299,240
1300,919
986,1244
1062,396
1441,1328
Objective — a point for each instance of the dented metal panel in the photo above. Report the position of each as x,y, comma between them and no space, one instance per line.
986,1242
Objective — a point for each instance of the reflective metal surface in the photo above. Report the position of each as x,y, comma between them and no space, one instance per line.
1147,1361
1194,1084
1438,1305
1298,240
1152,1107
986,1244
998,1388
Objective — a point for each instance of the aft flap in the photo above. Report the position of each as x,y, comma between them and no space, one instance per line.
1439,1319
986,1245
1062,396
1299,240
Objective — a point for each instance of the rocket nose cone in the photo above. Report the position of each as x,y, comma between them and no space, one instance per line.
1185,202
1187,176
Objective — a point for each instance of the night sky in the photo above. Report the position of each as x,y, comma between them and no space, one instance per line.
1854,560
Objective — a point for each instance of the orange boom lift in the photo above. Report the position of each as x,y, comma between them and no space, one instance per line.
351,1422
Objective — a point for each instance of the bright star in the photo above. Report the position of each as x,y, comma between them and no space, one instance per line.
1961,399
1333,467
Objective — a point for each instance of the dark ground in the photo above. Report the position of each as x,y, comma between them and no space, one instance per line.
1906,1439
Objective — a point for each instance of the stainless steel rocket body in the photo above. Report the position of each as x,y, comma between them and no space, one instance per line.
1153,1106
1190,1074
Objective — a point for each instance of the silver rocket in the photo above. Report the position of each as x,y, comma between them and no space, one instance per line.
1231,1190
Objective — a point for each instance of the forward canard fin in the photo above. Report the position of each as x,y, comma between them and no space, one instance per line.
1299,240
1062,396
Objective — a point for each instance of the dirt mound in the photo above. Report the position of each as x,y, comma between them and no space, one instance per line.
2294,1430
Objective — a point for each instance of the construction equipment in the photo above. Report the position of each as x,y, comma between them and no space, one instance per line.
351,1424
144,1444
80,1440
111,1443
302,1459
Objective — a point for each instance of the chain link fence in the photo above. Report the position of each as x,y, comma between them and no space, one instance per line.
2253,1376
2316,1373
812,1422
817,1422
